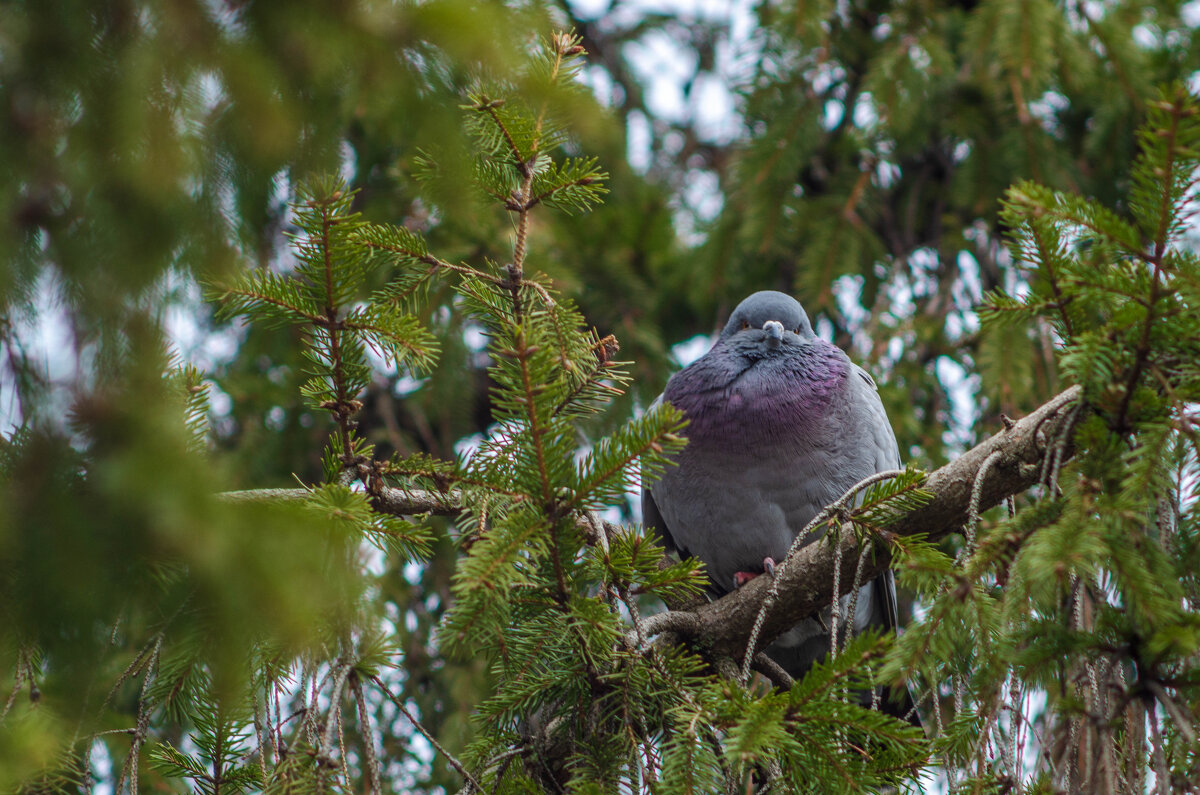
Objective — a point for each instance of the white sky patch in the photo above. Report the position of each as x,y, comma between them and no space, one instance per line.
412,572
832,113
967,292
1046,109
373,559
716,116
633,500
900,299
823,327
44,333
474,337
348,167
865,115
969,284
1145,36
407,385
466,447
847,290
1095,9
49,329
663,65
961,388
1190,14
219,401
919,58
102,767
690,350
211,90
886,173
955,327
422,751
602,85
1189,473
197,343
923,264
1020,289
825,76
228,16
276,418
667,68
283,258
702,196
638,136
614,514
590,9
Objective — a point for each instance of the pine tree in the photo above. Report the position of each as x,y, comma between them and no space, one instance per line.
186,635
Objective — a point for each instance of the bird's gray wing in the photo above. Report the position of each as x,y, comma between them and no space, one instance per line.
878,428
652,518
886,452
885,612
653,521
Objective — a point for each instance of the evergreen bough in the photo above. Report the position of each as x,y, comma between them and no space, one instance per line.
1084,594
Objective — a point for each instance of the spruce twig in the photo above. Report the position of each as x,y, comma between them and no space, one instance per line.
416,724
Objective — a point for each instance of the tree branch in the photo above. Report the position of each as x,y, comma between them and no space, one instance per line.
805,584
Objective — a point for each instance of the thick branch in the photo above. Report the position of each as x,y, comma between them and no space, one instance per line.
412,502
398,502
807,579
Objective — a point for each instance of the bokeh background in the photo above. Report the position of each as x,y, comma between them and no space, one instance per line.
850,152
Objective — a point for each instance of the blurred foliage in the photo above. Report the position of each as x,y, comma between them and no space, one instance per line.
1086,595
878,139
147,146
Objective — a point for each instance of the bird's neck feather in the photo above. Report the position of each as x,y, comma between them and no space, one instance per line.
733,394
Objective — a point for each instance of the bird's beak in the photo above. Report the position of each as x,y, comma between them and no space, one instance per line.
774,331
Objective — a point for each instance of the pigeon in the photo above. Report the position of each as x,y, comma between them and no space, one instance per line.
780,424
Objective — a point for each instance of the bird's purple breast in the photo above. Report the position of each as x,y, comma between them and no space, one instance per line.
734,400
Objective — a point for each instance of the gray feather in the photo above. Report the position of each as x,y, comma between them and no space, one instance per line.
780,425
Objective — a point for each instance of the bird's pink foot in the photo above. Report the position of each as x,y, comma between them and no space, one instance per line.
740,578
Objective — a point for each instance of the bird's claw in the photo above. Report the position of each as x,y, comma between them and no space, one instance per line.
740,578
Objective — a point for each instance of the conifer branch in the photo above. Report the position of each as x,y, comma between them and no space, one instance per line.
383,333
451,760
256,296
548,194
805,583
950,486
1168,176
395,501
1112,56
343,408
489,107
591,380
435,263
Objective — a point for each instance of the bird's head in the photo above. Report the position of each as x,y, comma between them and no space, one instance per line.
769,319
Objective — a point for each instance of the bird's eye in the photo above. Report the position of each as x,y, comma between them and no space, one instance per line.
745,325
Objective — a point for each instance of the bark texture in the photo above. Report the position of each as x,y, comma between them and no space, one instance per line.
806,581
1018,458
